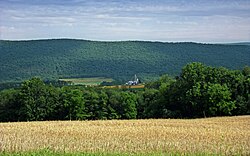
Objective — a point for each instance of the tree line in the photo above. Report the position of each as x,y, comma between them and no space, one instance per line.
199,91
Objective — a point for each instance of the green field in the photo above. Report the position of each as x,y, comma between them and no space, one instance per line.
94,81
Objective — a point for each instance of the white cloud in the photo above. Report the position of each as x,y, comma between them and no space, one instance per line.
118,20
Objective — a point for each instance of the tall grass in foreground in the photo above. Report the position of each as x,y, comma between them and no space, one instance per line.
223,136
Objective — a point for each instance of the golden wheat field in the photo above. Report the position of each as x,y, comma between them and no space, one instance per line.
224,135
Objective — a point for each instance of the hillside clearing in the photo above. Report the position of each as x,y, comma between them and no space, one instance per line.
221,135
87,81
140,86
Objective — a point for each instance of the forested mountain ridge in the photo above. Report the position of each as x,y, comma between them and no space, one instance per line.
240,43
55,58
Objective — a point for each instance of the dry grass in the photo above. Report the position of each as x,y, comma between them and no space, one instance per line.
226,135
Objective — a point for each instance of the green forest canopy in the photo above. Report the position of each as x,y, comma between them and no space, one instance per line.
65,58
199,91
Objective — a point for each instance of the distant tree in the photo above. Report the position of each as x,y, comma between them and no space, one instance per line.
246,71
128,105
203,91
9,105
92,104
114,104
73,104
37,100
193,73
219,99
149,107
103,110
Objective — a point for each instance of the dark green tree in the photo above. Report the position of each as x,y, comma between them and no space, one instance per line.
246,71
9,105
92,104
219,100
73,104
128,105
37,100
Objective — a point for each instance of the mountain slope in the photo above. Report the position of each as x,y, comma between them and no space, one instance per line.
51,59
240,43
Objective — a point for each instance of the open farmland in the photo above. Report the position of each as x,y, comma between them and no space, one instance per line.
224,135
87,81
140,86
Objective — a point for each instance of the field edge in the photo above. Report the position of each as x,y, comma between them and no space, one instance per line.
49,152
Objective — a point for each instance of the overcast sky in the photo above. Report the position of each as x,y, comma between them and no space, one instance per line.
157,20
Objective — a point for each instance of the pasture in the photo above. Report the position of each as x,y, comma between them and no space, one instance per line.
94,81
140,86
216,136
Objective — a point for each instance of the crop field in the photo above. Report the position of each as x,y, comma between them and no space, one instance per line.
87,81
216,136
140,86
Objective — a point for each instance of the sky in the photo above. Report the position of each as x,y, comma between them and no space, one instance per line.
209,21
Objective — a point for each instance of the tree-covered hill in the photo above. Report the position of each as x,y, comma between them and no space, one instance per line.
60,58
240,43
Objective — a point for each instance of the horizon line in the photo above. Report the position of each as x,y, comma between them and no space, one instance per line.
132,40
